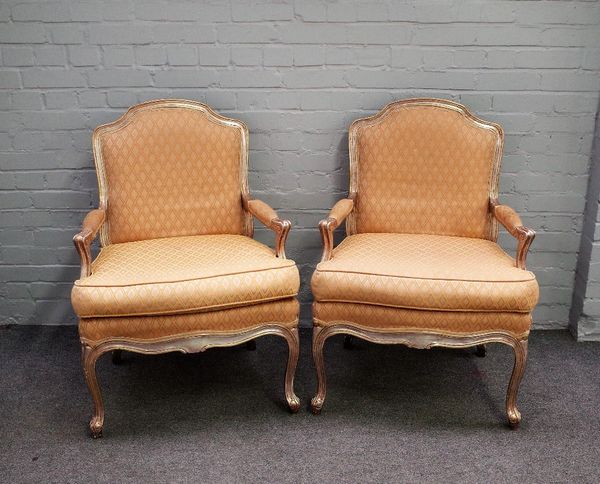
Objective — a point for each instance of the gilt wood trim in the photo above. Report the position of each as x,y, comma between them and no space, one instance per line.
199,342
422,340
125,119
408,103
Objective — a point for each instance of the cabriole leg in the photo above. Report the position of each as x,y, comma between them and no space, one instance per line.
89,358
319,338
514,416
293,340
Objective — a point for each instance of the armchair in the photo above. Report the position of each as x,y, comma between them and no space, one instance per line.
420,265
178,269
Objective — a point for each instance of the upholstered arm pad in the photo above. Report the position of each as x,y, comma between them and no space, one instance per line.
83,240
262,212
269,218
508,218
512,222
336,216
340,211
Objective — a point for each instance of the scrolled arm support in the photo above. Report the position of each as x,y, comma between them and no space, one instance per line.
512,222
83,240
269,218
327,226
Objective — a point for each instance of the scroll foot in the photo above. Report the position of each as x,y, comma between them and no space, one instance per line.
96,428
316,404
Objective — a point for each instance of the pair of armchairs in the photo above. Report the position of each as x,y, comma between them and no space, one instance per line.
178,269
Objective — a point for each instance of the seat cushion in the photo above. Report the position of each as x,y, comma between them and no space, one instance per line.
400,319
427,272
151,328
182,275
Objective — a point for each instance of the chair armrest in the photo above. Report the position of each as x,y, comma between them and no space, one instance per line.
83,240
269,218
512,222
336,216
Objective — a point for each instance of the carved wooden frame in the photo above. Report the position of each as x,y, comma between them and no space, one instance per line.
195,343
97,223
422,340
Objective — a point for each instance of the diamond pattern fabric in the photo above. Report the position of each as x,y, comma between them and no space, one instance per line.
183,274
452,322
424,169
171,172
427,272
149,328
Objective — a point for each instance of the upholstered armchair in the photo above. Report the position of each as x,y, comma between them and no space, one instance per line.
178,269
420,265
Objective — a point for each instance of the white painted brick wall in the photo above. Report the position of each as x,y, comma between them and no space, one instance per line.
298,73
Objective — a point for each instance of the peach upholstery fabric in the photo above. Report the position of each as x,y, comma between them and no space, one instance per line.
183,274
427,272
172,172
386,318
282,312
424,169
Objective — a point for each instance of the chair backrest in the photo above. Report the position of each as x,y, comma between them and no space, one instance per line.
424,166
170,168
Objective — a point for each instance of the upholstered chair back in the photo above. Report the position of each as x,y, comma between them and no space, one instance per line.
424,166
171,168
